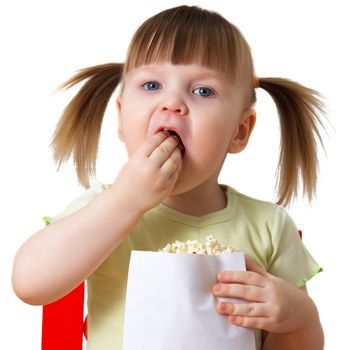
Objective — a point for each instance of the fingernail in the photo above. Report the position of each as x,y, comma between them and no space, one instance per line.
232,319
177,138
219,276
222,307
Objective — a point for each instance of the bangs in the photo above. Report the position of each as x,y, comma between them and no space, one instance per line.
191,35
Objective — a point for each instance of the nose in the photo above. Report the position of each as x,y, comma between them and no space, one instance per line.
175,106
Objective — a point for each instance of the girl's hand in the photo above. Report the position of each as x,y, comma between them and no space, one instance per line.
151,172
271,304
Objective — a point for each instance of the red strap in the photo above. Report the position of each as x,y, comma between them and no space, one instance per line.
85,327
62,326
301,234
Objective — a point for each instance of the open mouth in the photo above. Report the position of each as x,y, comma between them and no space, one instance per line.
174,133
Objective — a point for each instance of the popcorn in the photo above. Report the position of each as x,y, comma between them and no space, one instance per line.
211,247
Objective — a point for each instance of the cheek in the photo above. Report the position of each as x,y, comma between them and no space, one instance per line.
208,152
215,137
133,137
133,131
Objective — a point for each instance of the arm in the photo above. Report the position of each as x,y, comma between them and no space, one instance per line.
286,313
308,337
57,258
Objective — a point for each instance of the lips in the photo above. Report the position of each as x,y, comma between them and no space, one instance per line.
174,133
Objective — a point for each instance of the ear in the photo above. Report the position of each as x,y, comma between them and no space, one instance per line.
242,133
119,107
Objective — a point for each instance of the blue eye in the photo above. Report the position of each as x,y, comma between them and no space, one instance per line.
151,86
204,92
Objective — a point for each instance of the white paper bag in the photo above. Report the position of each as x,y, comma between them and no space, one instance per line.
170,306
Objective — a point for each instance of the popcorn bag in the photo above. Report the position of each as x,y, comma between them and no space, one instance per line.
169,303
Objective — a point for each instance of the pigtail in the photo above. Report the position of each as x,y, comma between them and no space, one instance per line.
299,111
78,131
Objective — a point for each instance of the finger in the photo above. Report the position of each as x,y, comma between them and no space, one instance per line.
246,277
171,164
249,322
254,267
165,149
240,291
152,143
243,309
175,175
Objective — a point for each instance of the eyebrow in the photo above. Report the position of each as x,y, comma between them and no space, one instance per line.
198,75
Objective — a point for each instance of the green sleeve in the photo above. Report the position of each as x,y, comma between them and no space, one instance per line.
289,257
78,203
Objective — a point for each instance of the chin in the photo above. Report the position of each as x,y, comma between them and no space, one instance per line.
182,187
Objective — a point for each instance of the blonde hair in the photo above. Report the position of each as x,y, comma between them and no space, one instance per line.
182,35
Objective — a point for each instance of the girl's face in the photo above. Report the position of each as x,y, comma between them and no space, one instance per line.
204,108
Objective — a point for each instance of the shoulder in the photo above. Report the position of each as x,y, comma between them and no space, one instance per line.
251,206
79,202
271,215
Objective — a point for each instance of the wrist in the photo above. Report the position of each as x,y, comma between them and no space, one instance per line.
310,317
309,333
124,198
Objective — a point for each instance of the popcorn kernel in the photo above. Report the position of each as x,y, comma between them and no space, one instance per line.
210,247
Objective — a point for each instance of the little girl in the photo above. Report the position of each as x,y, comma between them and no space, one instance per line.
187,91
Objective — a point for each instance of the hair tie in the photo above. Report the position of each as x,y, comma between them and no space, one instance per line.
255,81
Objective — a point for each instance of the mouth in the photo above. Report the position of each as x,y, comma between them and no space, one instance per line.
174,133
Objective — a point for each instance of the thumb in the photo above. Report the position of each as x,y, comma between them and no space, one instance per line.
253,266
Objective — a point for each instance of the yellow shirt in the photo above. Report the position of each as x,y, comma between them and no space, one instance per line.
261,229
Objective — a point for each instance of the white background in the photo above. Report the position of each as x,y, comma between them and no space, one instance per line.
45,42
